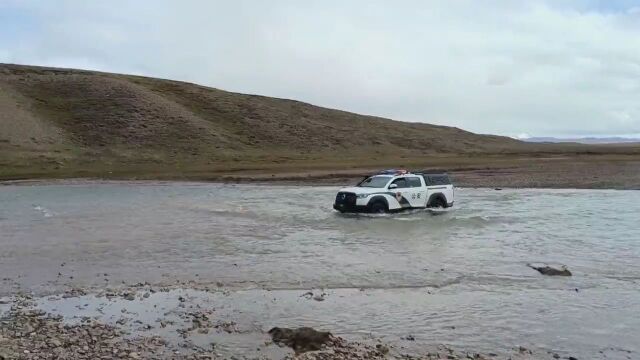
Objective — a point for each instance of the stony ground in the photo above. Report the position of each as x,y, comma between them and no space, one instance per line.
28,332
581,172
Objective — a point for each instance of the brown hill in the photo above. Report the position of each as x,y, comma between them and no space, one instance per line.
64,122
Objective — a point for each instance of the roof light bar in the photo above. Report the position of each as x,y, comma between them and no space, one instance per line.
393,172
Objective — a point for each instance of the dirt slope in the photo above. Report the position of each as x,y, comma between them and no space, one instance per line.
98,109
64,122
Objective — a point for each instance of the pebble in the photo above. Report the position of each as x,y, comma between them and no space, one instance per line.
49,337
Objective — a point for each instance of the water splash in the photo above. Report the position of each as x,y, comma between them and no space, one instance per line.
44,211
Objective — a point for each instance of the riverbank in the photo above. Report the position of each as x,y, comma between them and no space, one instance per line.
621,173
174,322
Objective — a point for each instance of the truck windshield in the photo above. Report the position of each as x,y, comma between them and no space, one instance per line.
375,182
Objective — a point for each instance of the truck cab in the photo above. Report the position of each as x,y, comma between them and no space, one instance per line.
396,190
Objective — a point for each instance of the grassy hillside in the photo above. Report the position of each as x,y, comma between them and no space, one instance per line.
63,122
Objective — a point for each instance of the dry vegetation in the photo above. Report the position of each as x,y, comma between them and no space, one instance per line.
60,123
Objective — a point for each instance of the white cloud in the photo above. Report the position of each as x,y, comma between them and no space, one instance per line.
490,67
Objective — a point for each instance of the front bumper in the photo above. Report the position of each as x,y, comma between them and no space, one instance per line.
351,208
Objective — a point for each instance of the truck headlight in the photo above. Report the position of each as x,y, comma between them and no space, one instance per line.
361,196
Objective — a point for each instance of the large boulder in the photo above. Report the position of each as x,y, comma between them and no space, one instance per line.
551,270
301,339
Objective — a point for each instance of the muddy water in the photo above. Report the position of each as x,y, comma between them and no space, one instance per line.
457,277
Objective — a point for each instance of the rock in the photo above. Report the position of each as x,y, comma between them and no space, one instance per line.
301,339
27,329
227,326
6,354
311,295
551,271
56,343
130,296
382,348
524,350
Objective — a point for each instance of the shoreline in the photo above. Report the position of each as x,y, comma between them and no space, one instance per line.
567,172
187,323
468,179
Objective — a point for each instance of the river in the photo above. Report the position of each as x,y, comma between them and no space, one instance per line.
457,276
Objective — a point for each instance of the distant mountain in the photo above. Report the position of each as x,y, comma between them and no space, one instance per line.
85,123
583,140
76,112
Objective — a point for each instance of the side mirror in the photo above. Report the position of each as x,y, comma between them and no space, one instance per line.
393,186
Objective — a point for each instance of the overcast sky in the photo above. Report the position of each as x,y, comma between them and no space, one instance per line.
555,68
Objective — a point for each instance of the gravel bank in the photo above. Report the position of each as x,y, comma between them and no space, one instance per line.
79,325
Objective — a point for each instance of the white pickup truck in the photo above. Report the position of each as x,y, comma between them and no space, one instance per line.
395,190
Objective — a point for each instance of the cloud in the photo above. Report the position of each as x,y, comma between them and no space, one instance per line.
551,68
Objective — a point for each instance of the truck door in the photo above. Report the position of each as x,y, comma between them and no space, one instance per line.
402,192
418,191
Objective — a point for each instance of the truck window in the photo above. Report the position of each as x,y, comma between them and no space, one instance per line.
401,182
415,182
375,182
434,180
442,180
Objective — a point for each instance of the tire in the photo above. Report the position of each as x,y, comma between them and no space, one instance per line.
437,202
378,207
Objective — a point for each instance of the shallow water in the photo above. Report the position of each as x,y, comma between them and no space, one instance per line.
457,276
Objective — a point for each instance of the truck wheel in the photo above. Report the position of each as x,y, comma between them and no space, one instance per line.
378,208
437,202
